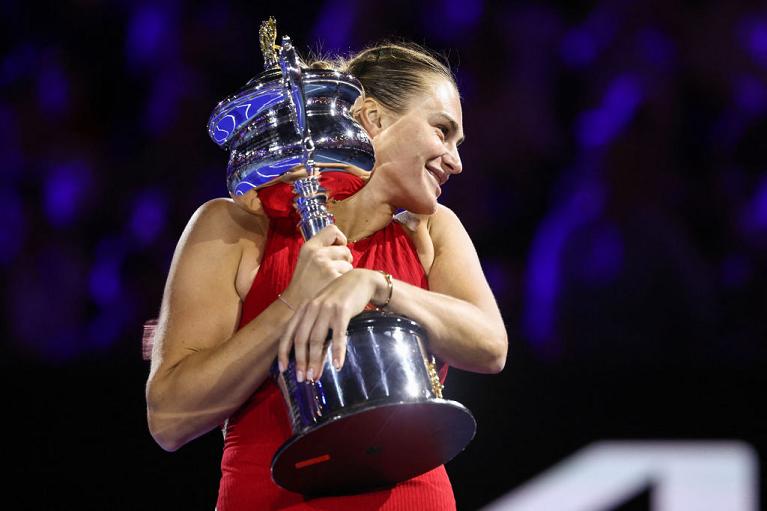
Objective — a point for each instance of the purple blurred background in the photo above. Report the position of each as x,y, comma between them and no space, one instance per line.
615,185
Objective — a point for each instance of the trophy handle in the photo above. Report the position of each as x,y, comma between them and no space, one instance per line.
310,196
292,80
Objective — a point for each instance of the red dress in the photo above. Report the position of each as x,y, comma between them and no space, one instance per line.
258,429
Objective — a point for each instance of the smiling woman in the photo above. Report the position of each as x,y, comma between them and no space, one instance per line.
245,289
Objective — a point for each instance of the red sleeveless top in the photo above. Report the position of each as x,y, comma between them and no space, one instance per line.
261,426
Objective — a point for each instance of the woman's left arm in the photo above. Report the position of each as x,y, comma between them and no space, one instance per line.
462,321
459,312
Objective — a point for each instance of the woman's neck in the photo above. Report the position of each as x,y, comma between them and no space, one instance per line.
364,213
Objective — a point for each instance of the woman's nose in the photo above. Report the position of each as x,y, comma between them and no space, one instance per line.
452,160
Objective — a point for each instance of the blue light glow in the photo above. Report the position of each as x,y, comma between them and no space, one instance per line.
149,216
12,226
64,190
599,126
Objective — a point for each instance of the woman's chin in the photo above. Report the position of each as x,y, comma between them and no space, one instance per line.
426,208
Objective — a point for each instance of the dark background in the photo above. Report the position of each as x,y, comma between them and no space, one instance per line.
615,186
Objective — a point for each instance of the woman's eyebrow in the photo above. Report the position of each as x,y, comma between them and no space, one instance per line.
453,126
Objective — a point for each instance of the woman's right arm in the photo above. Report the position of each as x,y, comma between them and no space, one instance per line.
203,369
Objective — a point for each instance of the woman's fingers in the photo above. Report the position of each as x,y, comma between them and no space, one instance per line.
340,253
330,235
301,339
340,267
317,339
286,340
338,344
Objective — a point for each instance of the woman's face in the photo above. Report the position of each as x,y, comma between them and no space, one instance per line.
417,151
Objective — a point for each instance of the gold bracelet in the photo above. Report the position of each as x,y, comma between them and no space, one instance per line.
280,298
390,283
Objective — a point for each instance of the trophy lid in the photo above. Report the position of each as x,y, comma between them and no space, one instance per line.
254,123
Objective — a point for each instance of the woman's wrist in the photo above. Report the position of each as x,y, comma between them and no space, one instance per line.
383,290
289,299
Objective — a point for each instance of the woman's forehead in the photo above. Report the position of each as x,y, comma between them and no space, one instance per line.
440,96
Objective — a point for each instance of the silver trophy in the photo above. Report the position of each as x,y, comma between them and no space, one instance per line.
381,419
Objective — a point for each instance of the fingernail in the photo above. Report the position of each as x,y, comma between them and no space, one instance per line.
281,366
310,374
337,364
299,376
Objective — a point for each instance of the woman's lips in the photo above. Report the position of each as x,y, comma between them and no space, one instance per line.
439,176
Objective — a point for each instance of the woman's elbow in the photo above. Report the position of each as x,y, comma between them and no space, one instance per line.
163,434
163,431
498,355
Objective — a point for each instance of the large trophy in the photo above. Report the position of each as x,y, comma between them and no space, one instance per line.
381,419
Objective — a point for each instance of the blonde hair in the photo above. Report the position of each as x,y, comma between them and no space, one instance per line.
391,72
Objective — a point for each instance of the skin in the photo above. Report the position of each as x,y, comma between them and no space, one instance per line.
203,369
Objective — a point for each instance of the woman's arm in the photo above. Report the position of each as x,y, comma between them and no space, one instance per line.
459,312
203,369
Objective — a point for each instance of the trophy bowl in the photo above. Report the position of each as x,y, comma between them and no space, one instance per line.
256,126
378,421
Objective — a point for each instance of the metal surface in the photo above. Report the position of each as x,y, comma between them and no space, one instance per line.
256,126
385,362
375,422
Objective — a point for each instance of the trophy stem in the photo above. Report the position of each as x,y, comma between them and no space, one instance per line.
310,201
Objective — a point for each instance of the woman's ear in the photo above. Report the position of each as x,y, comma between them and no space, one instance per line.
369,116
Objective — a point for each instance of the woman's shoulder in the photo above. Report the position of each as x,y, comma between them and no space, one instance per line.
221,218
442,218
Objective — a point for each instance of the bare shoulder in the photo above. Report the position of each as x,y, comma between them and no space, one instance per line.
443,223
201,303
435,233
222,219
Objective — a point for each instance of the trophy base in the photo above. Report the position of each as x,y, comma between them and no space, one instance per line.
374,447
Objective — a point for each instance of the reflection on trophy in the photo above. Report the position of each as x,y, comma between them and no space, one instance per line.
381,419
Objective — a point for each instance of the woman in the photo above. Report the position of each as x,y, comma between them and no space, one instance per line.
244,288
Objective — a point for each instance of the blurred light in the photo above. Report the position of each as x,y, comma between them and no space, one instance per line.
168,88
655,47
604,259
46,304
597,127
18,63
10,151
149,215
543,277
759,207
496,276
64,189
461,14
333,28
753,33
12,225
578,48
105,329
105,285
467,83
736,270
750,94
149,33
52,88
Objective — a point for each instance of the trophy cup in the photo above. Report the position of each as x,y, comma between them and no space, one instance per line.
381,419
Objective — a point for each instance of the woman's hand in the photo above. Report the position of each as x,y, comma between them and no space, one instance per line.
331,309
321,260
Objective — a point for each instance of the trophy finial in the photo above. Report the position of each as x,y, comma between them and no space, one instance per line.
267,36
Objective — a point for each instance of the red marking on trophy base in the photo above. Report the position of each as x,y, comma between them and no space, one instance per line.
313,461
